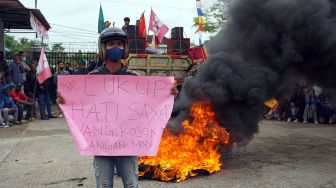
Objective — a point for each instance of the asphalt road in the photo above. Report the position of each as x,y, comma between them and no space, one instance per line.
42,154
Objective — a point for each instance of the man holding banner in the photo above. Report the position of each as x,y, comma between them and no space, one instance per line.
121,111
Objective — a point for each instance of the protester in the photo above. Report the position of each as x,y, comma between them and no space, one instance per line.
304,106
7,104
22,102
113,49
271,112
310,111
280,110
192,69
284,108
126,23
61,71
30,85
67,69
2,124
107,24
325,111
333,116
16,69
297,103
53,86
82,70
31,80
42,91
3,69
94,63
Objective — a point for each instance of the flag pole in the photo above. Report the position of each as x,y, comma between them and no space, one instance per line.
143,14
154,35
153,40
34,97
35,85
203,53
149,20
136,37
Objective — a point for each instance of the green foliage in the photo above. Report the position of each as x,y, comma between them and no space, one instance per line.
214,17
57,47
22,44
209,27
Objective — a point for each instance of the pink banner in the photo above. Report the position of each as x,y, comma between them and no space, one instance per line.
112,115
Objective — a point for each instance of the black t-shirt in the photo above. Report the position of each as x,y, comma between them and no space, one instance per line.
123,71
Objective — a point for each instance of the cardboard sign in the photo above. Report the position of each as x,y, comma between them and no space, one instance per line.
110,115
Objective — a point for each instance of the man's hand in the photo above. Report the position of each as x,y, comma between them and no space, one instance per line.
60,99
174,90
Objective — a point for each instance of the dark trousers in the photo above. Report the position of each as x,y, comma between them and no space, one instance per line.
325,112
34,107
44,100
21,108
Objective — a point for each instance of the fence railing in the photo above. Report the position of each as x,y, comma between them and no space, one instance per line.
68,57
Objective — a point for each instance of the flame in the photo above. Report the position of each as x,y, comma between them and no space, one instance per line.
188,154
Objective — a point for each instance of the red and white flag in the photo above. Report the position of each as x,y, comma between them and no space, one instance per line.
43,71
159,28
198,53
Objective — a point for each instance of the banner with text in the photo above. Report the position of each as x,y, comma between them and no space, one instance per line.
110,115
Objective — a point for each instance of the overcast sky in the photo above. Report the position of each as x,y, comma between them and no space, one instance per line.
83,14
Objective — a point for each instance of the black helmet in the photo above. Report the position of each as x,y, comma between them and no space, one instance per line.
109,34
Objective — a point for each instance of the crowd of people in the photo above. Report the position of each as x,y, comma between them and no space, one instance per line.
305,106
22,96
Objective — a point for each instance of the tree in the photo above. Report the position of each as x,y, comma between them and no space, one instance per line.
22,44
209,27
57,47
214,17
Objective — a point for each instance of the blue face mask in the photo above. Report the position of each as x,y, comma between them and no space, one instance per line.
114,54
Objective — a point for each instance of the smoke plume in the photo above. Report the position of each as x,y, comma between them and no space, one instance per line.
265,46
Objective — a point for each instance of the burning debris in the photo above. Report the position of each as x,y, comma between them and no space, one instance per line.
195,151
263,48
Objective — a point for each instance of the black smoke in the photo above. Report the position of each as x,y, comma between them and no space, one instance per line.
265,46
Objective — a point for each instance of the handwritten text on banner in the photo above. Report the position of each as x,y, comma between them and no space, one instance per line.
111,115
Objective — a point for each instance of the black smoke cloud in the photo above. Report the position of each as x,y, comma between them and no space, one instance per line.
265,46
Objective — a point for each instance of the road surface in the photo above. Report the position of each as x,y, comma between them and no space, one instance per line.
42,154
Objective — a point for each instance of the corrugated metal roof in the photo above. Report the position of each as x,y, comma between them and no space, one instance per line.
16,16
10,4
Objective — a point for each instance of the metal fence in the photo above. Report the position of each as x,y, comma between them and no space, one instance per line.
68,57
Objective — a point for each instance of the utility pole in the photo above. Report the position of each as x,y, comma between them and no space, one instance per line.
36,8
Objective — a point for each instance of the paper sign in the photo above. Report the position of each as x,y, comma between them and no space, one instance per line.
110,115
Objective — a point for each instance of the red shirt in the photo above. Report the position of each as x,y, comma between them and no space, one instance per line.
18,96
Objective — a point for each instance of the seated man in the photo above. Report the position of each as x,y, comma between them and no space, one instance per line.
7,104
326,110
2,124
22,102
